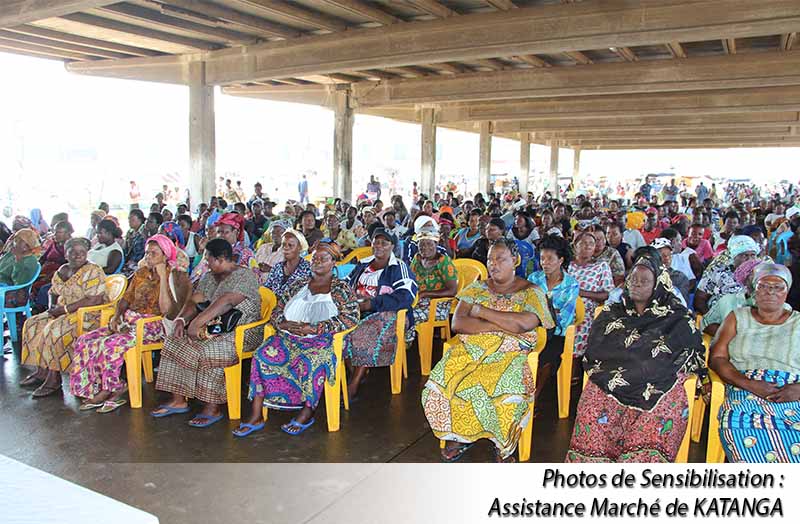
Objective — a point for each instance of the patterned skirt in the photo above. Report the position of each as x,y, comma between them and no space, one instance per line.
423,308
48,341
607,431
480,389
99,356
582,330
373,343
290,371
753,429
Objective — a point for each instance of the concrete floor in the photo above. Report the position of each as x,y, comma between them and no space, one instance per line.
119,454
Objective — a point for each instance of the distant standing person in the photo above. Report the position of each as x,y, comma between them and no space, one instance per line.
135,195
302,188
374,187
645,189
671,192
702,192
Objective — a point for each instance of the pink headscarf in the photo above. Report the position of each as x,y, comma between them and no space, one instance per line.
167,247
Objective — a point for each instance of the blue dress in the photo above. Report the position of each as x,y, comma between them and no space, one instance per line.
563,298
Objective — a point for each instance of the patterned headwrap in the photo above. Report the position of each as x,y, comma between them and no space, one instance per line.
80,241
235,220
300,238
636,358
330,246
765,269
742,244
21,222
166,246
30,238
173,231
426,235
743,271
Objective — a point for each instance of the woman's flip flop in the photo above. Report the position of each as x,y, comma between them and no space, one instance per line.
249,428
168,411
208,421
286,428
112,405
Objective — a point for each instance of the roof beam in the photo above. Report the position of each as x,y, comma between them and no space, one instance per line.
534,60
365,9
171,22
578,57
56,44
625,53
543,29
252,23
787,41
729,45
767,99
676,49
690,143
453,67
37,49
131,29
502,5
434,8
293,12
702,73
649,134
82,40
18,12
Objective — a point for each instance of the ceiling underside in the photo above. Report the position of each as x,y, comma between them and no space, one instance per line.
609,74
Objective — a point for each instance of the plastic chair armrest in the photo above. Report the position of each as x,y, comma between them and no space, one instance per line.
339,336
434,304
140,325
240,332
103,309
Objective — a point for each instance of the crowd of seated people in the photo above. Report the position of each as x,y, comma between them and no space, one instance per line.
649,268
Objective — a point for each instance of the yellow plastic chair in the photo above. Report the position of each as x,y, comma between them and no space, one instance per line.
139,358
690,386
399,368
526,438
233,374
356,255
715,453
115,288
468,272
699,403
564,374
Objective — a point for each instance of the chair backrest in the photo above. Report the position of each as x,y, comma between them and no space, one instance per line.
121,264
357,254
115,287
580,311
343,270
526,254
468,264
268,301
597,311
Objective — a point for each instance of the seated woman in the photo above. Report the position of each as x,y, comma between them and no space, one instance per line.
640,350
53,257
595,280
467,236
717,280
384,285
289,370
107,253
18,266
193,361
728,303
562,291
293,267
756,355
435,275
48,337
269,250
482,386
230,227
99,354
605,253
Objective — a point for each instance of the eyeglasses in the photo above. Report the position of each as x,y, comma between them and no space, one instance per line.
771,289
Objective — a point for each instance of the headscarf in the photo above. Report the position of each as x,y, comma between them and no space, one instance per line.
638,359
173,231
765,269
426,235
167,247
38,221
743,271
99,214
77,240
30,238
330,246
300,238
21,222
235,220
742,244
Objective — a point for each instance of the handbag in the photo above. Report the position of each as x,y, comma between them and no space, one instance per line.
225,323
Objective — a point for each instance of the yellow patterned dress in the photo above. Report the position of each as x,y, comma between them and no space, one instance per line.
482,386
47,341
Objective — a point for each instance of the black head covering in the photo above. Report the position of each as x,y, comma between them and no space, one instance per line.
639,358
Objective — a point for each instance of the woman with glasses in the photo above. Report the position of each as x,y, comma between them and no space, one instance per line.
757,355
290,369
634,408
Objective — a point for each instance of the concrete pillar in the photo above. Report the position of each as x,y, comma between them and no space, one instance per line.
576,168
343,147
428,157
485,159
524,161
202,148
554,169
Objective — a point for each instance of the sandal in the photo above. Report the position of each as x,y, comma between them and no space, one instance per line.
89,406
31,380
168,411
295,428
245,429
208,420
112,405
455,453
45,391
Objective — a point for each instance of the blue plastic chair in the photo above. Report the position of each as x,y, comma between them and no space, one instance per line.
121,265
526,253
10,314
343,271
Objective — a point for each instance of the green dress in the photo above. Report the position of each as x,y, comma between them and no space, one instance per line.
15,272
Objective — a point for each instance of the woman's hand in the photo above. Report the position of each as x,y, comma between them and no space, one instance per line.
114,323
789,393
161,270
57,311
475,311
193,331
179,329
763,389
365,305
